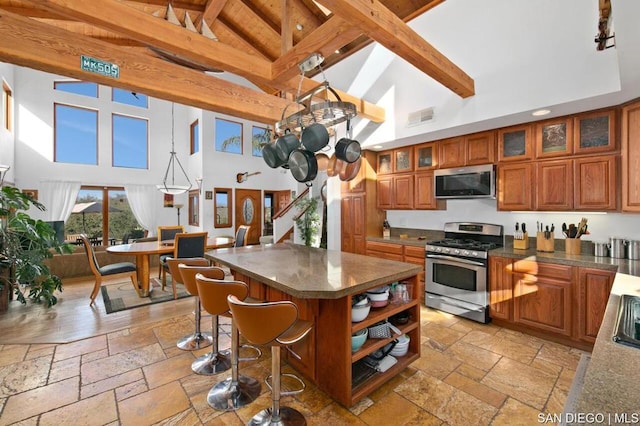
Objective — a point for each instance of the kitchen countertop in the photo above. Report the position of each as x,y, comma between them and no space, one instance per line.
312,273
611,382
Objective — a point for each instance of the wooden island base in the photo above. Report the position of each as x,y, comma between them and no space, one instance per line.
325,355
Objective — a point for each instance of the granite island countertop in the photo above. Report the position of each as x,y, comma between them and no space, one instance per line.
312,273
612,382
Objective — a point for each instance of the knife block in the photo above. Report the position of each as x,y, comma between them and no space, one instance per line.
543,244
522,244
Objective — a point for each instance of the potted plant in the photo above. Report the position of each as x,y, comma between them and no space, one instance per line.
308,219
24,245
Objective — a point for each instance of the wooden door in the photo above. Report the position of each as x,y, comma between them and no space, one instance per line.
500,288
452,153
514,186
403,192
424,193
384,188
555,185
248,211
594,287
631,158
595,183
282,200
481,148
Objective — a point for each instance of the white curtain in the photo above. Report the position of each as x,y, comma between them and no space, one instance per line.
143,202
58,197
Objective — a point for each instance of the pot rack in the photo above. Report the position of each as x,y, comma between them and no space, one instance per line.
328,112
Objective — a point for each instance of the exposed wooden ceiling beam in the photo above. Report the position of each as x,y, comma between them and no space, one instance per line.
29,43
164,35
212,10
382,25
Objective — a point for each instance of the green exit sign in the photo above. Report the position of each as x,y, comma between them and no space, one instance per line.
97,66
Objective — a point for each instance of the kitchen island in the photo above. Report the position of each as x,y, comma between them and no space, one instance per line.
322,284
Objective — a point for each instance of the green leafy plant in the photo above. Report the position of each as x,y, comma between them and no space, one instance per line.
24,245
308,219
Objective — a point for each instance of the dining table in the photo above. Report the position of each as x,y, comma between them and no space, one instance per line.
145,249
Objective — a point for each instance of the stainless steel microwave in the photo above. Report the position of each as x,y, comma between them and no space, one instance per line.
466,182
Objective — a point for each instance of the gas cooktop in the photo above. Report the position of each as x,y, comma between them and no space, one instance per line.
467,243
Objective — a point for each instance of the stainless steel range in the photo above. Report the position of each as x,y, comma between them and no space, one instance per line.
456,269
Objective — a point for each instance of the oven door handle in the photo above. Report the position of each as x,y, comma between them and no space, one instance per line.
450,302
454,259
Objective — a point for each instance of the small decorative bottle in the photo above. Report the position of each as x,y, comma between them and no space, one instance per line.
386,230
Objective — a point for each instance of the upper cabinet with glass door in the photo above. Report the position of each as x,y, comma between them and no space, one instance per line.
594,132
554,138
395,161
425,156
515,143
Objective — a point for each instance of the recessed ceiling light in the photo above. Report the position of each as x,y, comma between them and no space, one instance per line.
377,147
299,27
541,112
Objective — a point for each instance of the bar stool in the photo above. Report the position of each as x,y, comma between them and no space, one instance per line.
215,361
198,339
236,391
276,324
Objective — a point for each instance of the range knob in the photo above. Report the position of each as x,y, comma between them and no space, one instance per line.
466,253
456,251
474,253
446,250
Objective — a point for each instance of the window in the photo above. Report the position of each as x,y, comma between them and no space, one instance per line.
268,212
259,137
7,106
194,208
222,207
76,135
195,137
101,211
130,98
77,87
228,136
130,142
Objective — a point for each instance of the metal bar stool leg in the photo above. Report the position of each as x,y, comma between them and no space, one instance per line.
197,340
277,415
215,361
236,391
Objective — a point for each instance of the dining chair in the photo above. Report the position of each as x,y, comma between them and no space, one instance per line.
241,235
166,233
187,244
112,269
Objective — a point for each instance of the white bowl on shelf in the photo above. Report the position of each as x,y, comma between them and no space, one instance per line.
402,347
360,312
379,300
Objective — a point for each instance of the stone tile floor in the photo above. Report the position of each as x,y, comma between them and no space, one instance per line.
468,374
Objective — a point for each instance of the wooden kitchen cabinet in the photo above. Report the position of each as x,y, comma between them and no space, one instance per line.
416,255
515,143
594,179
515,186
594,287
554,180
542,296
500,288
395,192
595,132
398,160
630,135
473,149
554,138
426,156
424,194
359,216
385,250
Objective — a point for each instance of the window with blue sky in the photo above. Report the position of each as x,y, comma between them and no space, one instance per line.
228,136
260,137
130,142
195,137
76,135
77,87
130,98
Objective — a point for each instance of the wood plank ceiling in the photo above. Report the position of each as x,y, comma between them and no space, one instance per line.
260,40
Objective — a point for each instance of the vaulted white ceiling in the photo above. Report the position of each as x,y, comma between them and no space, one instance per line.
522,55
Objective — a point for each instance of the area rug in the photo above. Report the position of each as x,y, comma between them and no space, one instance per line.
121,296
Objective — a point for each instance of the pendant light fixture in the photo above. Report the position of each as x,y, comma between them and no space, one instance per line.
168,185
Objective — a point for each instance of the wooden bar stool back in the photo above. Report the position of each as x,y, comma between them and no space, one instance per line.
235,391
215,361
275,324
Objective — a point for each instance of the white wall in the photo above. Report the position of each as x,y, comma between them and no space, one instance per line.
600,226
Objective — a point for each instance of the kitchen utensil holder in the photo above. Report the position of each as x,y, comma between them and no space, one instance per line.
543,244
522,244
572,245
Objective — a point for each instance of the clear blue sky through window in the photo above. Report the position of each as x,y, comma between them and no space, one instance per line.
130,98
76,135
228,136
130,142
77,87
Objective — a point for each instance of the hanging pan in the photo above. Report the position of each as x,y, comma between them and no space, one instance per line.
348,150
314,137
334,166
270,156
303,165
285,145
350,170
